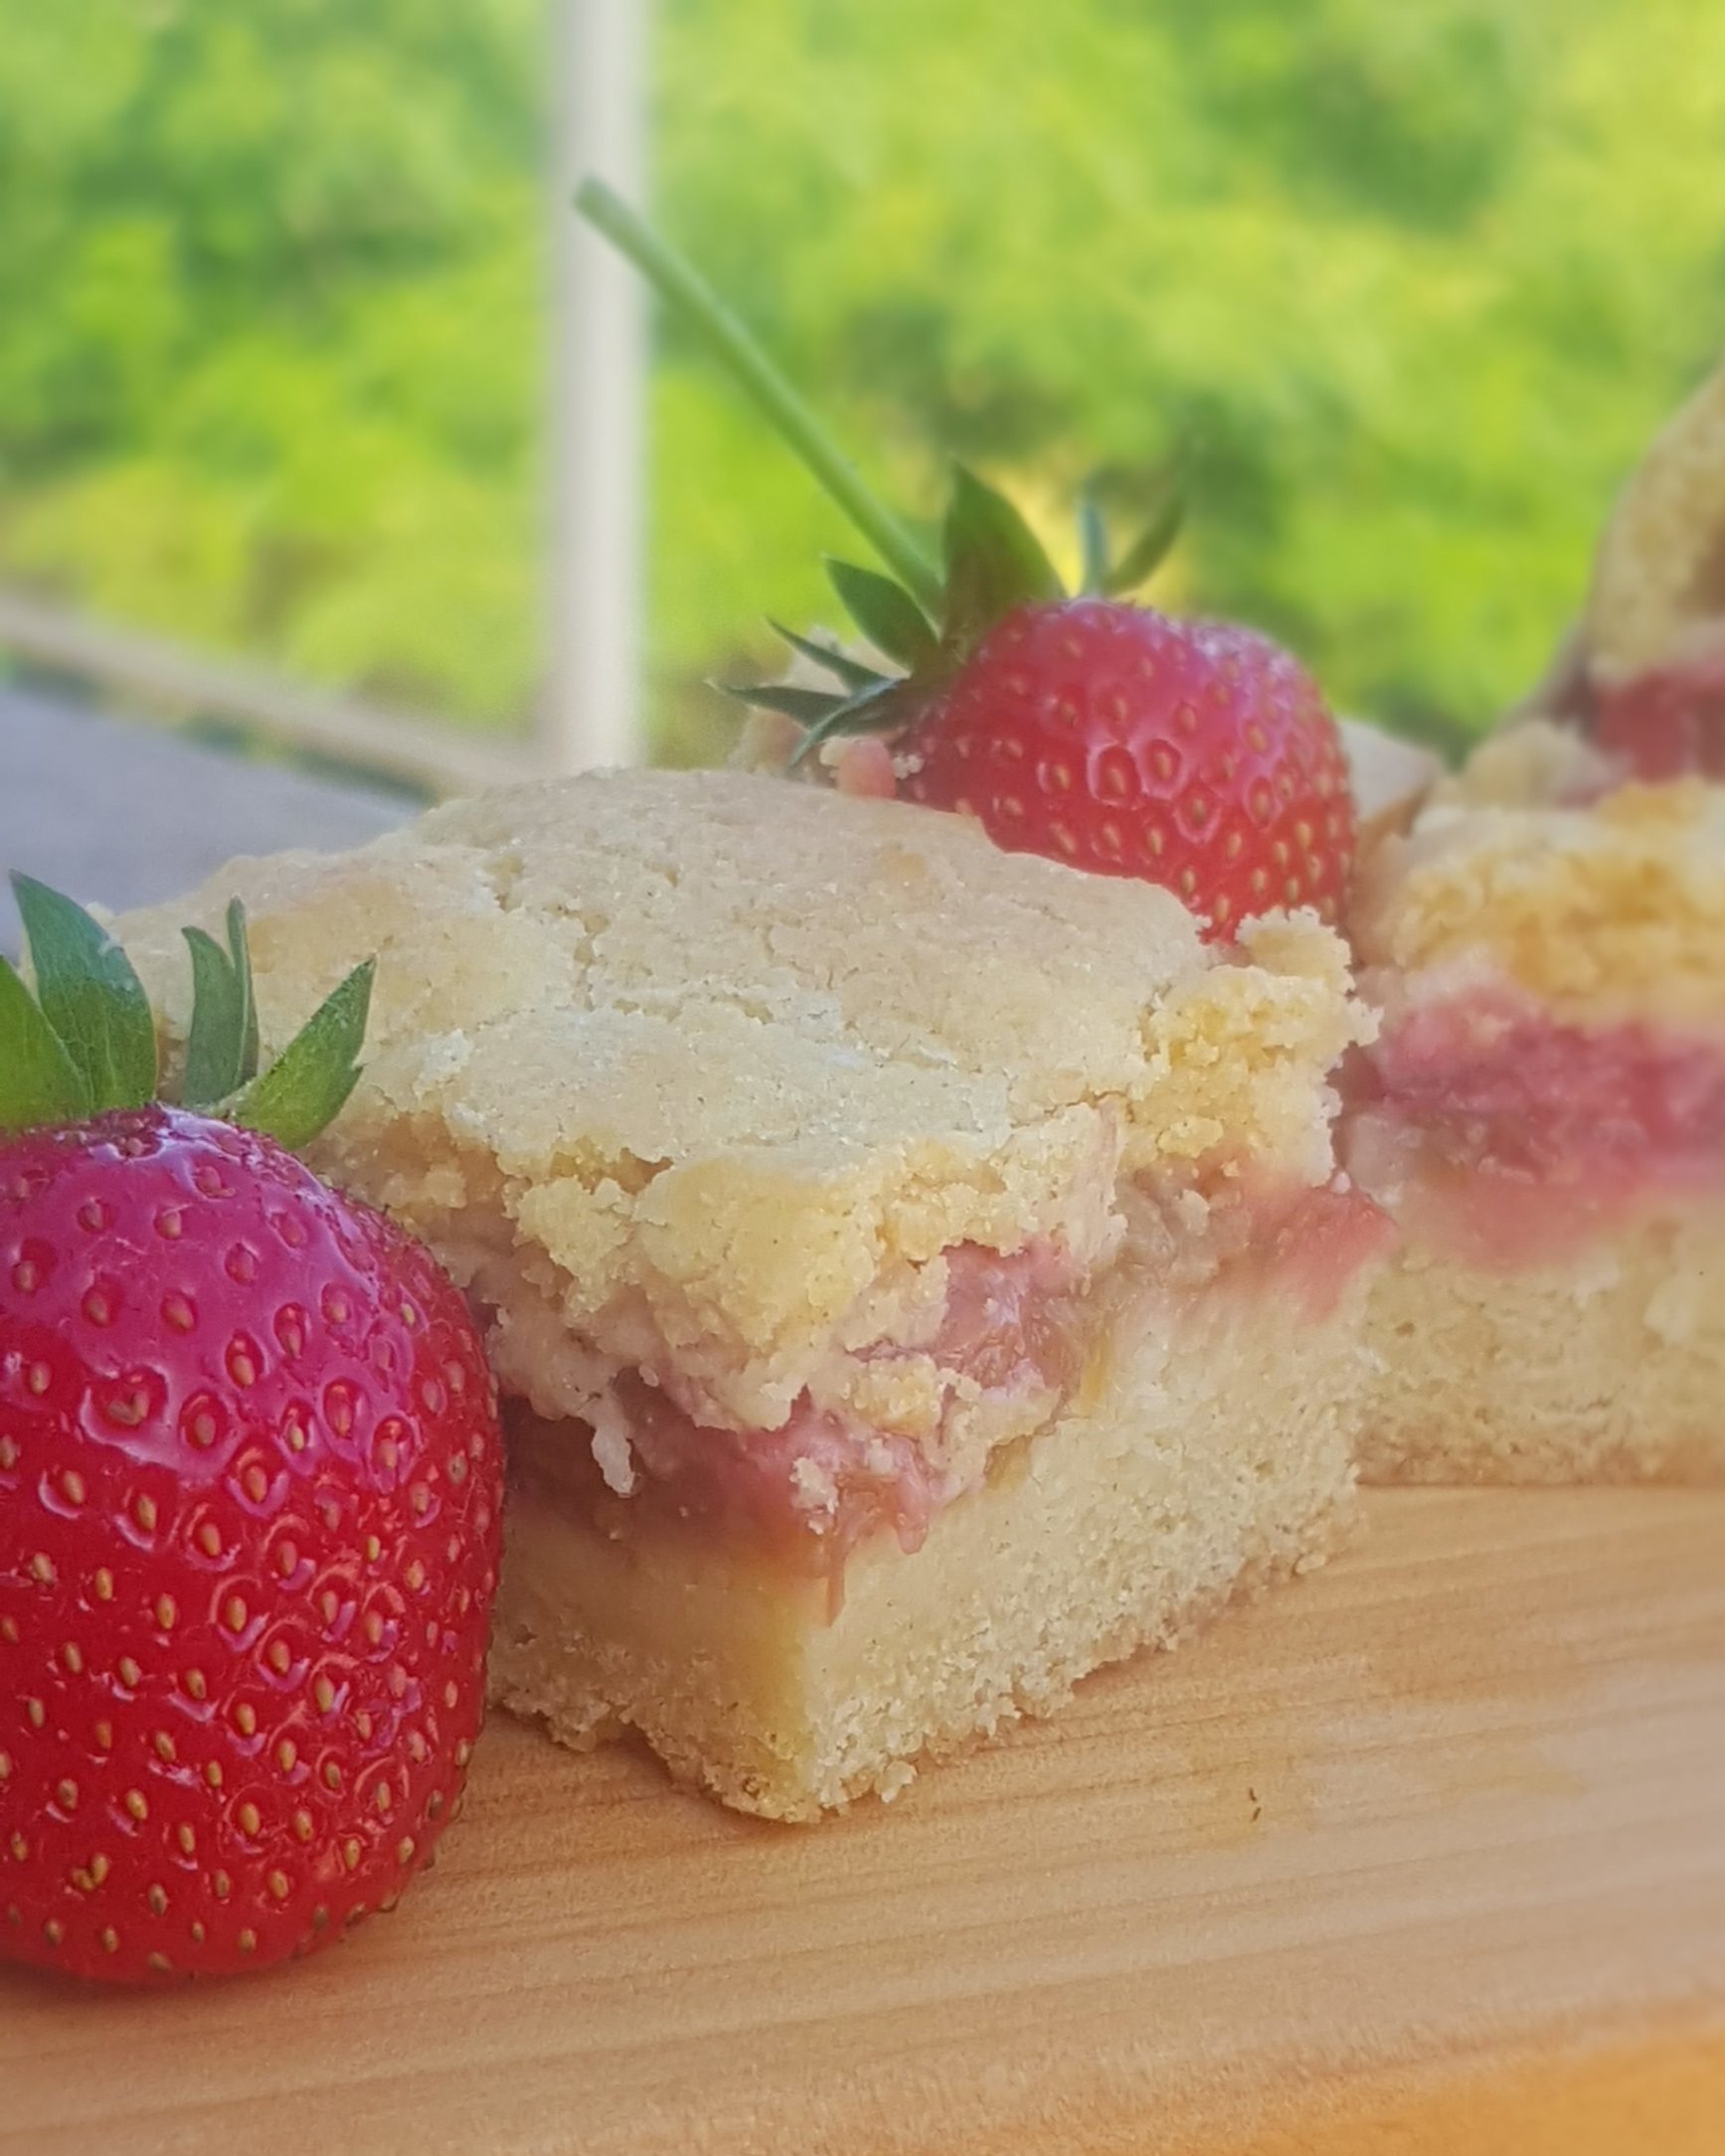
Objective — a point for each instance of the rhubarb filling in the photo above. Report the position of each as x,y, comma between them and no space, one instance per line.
1666,722
1018,1339
1504,1136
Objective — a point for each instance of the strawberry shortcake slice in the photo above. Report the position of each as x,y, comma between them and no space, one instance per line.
1544,1111
916,1274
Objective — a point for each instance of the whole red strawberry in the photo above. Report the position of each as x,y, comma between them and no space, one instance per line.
250,1488
1192,753
1189,754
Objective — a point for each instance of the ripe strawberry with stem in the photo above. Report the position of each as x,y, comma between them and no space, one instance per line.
250,1486
1190,753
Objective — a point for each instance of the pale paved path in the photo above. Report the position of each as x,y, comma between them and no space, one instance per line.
128,813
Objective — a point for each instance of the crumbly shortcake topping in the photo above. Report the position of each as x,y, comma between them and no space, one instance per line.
1533,765
697,1070
1609,912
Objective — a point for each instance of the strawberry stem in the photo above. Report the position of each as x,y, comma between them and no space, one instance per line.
681,287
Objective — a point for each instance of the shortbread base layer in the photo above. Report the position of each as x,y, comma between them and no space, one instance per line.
1182,1477
1604,1366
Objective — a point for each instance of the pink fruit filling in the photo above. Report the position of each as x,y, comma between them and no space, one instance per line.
810,1490
1308,1247
1019,1326
1665,723
1668,723
1493,1129
818,1484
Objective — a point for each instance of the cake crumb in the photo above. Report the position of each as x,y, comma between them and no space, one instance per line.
611,1445
813,1489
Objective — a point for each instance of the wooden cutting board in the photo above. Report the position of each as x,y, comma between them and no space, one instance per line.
1426,1852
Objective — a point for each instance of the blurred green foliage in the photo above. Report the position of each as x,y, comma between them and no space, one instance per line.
268,353
1418,282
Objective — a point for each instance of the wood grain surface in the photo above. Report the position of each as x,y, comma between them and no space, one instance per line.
1426,1852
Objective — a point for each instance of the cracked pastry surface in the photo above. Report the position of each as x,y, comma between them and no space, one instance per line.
695,1072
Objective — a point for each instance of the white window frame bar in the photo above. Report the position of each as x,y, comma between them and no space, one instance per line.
597,357
590,713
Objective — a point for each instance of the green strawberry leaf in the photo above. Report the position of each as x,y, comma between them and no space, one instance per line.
240,950
884,709
308,1083
884,613
86,1042
807,706
994,563
39,1081
1146,555
216,1041
850,671
1092,544
221,1043
91,997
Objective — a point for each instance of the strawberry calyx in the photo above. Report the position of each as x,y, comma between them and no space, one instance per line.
1098,734
929,618
85,1041
993,564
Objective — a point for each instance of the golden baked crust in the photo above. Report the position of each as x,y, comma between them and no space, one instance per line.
1609,912
701,1065
1604,1363
1658,588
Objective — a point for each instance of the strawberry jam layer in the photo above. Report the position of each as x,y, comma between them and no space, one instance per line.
820,1483
1668,723
807,1492
1508,1136
1308,1247
1018,1329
